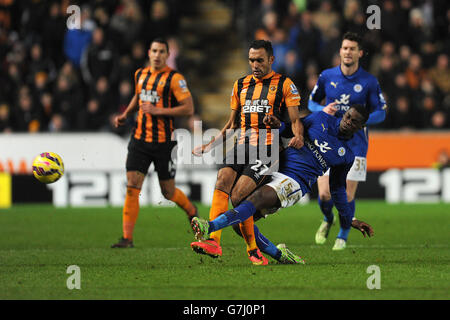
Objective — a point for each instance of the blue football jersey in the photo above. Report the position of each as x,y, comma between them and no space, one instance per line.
358,88
324,148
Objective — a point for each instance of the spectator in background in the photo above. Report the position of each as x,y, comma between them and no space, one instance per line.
26,115
402,115
440,74
443,160
99,59
292,67
5,121
77,40
439,120
92,118
159,24
414,72
280,49
127,21
391,24
105,97
57,123
306,38
268,28
138,56
418,31
326,17
46,106
427,107
39,63
53,29
68,100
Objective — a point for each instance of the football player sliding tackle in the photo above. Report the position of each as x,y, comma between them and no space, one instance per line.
325,148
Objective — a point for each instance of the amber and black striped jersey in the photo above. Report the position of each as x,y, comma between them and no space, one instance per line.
163,88
254,98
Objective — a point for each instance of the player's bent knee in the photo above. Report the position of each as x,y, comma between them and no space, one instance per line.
236,199
135,179
325,196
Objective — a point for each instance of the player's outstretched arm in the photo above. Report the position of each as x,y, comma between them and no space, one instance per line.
198,151
297,128
131,108
362,226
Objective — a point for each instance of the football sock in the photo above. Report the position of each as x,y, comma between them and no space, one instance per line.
248,232
265,245
183,202
219,205
346,222
327,209
130,212
237,215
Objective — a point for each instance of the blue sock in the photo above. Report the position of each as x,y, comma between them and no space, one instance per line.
265,245
346,222
327,209
237,215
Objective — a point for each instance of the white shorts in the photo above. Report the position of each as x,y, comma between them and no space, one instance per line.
288,190
357,172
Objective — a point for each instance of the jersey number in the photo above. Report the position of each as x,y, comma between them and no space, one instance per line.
259,167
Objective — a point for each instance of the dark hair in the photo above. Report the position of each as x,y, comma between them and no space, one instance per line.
353,37
161,40
361,110
267,45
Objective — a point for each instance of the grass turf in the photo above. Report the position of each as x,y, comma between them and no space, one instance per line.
411,247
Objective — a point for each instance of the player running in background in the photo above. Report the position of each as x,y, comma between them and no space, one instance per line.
327,146
262,93
160,94
342,86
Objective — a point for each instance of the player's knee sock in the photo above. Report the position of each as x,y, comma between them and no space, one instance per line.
183,202
248,232
237,215
219,205
346,222
327,209
130,212
265,245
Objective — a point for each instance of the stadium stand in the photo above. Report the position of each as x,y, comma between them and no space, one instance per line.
58,80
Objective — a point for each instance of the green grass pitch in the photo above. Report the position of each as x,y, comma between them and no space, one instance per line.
411,247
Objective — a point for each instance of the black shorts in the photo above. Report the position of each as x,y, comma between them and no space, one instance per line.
142,154
248,163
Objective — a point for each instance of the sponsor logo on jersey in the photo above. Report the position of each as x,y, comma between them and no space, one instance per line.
316,154
334,84
258,105
149,96
322,146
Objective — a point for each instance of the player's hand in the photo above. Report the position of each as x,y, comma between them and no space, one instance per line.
272,121
120,120
200,150
296,142
330,108
364,227
149,108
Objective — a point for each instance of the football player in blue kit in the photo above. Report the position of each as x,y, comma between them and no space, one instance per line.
340,87
327,146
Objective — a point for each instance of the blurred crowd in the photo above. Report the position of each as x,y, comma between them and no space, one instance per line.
56,79
408,55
